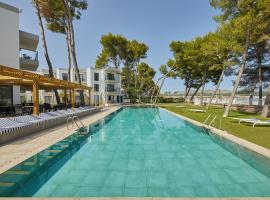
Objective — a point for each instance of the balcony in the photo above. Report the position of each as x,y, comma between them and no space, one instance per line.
28,60
111,78
112,90
28,41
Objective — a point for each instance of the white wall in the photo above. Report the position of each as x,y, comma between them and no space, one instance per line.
9,43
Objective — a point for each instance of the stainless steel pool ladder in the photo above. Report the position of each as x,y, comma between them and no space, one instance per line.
206,119
209,118
73,121
212,121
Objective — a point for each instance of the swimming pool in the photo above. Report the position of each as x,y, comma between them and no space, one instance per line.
136,152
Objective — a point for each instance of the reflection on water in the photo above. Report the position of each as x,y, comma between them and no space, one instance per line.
29,176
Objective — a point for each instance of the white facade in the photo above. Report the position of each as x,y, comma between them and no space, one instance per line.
9,44
17,50
105,83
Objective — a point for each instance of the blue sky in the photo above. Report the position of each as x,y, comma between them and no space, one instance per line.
154,22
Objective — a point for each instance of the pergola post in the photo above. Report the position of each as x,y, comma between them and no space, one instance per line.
65,97
72,98
35,94
89,97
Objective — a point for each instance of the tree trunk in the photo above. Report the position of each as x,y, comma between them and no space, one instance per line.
69,58
163,79
141,89
236,84
46,53
154,88
72,45
152,93
203,86
216,89
266,107
162,82
186,93
260,85
193,95
251,95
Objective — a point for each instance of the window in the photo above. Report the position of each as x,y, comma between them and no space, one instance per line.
96,76
47,99
110,76
65,76
82,77
96,87
6,95
23,99
110,88
96,99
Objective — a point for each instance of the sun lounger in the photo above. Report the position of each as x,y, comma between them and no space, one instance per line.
180,106
10,125
12,128
259,122
28,118
35,120
7,123
197,110
246,120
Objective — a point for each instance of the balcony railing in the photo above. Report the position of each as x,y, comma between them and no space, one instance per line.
29,55
28,60
107,78
114,90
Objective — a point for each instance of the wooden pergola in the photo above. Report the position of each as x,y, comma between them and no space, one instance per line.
12,76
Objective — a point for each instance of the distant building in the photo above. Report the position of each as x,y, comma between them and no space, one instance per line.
106,84
17,50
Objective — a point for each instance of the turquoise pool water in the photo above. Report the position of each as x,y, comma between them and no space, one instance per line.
143,152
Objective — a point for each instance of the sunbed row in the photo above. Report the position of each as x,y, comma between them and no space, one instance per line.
12,128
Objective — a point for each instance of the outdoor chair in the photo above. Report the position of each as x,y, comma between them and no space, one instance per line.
47,107
18,110
3,110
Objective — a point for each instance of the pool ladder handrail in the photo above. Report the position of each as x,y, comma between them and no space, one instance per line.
73,120
212,121
204,122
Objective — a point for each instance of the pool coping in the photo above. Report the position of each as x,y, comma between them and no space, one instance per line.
249,145
48,136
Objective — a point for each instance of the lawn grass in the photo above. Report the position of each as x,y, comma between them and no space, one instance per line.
259,135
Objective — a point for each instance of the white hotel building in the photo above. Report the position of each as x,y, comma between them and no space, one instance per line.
106,84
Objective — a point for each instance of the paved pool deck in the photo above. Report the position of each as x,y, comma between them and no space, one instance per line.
15,152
